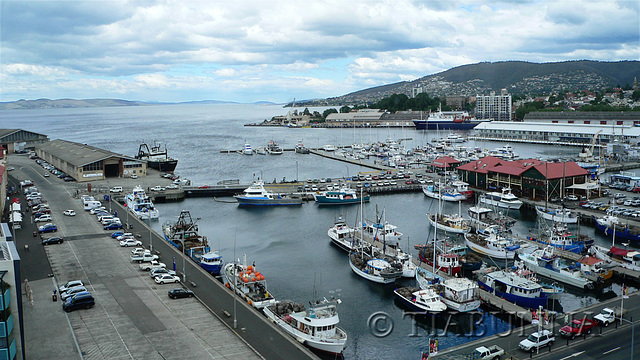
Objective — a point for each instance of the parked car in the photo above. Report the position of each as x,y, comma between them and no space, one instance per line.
166,278
82,300
130,242
43,218
134,176
69,212
113,226
578,327
160,271
138,251
72,291
172,186
180,293
116,189
157,188
47,228
69,284
53,240
97,209
537,340
572,198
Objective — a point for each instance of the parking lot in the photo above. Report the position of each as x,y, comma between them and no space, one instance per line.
133,317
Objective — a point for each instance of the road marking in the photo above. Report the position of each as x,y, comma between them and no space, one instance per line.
572,355
610,351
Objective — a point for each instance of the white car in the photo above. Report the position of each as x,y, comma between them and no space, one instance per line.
124,236
157,188
72,291
46,174
537,340
130,242
96,210
69,212
69,284
166,278
116,189
138,251
172,186
572,198
42,218
134,176
157,271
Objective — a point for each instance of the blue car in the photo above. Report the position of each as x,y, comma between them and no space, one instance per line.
113,226
117,233
47,228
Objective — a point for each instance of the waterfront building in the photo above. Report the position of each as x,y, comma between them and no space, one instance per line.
492,106
609,118
445,163
19,140
544,132
531,178
87,163
11,314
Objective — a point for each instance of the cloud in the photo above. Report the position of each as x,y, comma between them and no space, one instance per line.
129,46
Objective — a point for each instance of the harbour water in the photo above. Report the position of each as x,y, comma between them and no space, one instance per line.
289,245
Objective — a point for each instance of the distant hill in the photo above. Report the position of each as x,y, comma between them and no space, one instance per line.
66,103
518,77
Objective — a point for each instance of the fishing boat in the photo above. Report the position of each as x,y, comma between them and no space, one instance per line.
447,262
378,270
342,196
629,259
140,204
316,326
156,157
462,187
450,223
558,236
342,235
558,215
459,294
442,193
482,218
594,269
504,199
273,148
423,301
247,150
612,227
248,283
257,195
546,263
379,230
513,288
492,243
183,234
300,148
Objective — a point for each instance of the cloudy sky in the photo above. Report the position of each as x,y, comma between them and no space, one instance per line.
278,50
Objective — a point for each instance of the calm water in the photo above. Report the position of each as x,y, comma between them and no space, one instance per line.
289,245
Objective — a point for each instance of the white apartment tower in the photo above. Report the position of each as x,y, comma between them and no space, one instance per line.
496,107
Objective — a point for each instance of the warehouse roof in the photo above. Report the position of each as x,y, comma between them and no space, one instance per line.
78,154
587,129
6,132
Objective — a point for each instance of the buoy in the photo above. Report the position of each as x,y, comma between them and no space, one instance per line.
227,285
245,280
250,302
253,278
249,267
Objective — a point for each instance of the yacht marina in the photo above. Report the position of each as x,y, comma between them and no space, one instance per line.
291,254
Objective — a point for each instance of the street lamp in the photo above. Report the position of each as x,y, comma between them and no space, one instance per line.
296,170
150,238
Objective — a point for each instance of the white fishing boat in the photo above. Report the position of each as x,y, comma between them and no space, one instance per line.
374,269
273,148
492,243
559,215
513,288
140,204
629,259
504,199
544,262
315,326
248,283
450,223
460,294
257,195
342,235
424,301
482,218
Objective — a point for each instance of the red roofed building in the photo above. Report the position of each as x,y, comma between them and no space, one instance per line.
528,177
445,163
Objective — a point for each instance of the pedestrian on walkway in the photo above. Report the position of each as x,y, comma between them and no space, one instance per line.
566,319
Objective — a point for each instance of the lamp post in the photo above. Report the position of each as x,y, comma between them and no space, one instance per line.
347,172
296,170
150,238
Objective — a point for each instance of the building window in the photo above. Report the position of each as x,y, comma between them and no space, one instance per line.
620,122
570,121
603,122
587,121
554,121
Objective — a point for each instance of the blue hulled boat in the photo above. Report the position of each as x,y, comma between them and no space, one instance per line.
513,288
623,233
344,195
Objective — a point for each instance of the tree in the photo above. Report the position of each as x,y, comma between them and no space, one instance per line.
635,96
327,112
345,109
306,111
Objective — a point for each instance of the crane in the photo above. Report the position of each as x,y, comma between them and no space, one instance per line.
587,153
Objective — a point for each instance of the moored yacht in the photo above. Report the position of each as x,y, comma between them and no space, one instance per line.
559,215
343,195
315,326
257,195
492,243
460,294
629,259
443,193
424,301
544,262
247,150
504,199
513,288
342,235
140,204
449,223
248,283
482,218
374,269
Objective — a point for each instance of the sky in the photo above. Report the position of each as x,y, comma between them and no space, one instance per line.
248,51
